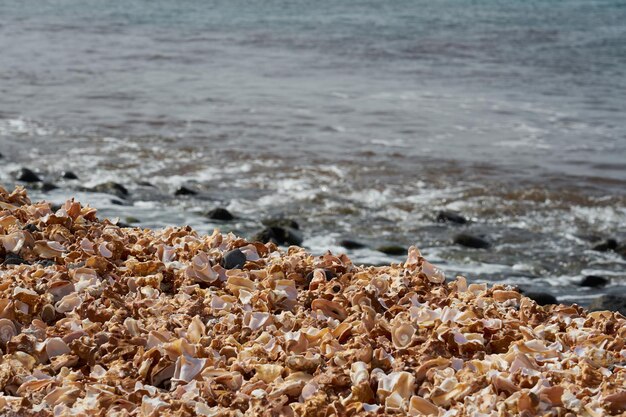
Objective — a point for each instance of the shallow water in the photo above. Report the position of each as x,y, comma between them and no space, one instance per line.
359,119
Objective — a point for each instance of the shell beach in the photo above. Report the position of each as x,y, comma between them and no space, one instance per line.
100,320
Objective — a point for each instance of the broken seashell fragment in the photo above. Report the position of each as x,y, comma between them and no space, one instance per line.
48,250
418,406
402,335
329,309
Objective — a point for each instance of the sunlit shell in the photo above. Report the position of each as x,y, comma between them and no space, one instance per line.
48,250
188,368
256,320
501,295
13,242
433,273
402,334
418,406
329,308
200,269
237,283
60,289
196,330
68,303
359,373
55,346
7,330
402,383
268,372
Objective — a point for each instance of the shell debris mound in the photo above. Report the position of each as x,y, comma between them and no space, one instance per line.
100,320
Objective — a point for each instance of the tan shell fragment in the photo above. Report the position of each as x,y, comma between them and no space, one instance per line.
7,331
329,309
13,242
268,372
616,402
48,250
402,383
502,295
402,335
200,269
188,368
55,346
418,406
434,274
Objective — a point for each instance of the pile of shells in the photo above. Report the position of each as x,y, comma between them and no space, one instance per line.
101,320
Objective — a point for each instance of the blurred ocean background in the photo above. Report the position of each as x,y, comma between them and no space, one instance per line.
358,119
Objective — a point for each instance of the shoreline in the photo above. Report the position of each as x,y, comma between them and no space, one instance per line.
142,321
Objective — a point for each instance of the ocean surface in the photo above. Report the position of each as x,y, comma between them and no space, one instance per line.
358,119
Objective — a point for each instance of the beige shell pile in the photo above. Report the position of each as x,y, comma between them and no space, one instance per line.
103,320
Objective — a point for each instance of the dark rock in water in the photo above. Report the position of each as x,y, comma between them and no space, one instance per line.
593,281
611,302
69,175
450,217
327,272
145,184
351,244
234,259
393,250
185,191
220,214
131,220
31,228
26,175
55,207
281,222
13,259
112,188
471,241
279,235
117,202
1,156
48,186
542,298
609,244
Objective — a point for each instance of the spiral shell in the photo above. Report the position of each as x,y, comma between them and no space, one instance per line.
7,331
402,335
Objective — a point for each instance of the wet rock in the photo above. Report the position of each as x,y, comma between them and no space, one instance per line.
185,191
117,202
471,241
279,235
69,175
31,228
220,214
612,302
450,217
393,250
112,188
281,222
542,298
234,259
593,281
1,156
145,184
48,186
609,244
55,207
131,220
351,244
27,175
46,262
13,259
